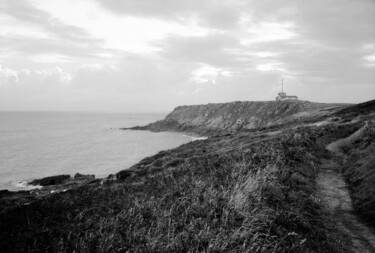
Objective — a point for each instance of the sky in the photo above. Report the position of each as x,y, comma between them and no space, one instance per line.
153,55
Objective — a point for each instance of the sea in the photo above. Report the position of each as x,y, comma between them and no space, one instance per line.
40,144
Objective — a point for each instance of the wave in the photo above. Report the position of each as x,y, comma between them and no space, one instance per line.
196,138
23,185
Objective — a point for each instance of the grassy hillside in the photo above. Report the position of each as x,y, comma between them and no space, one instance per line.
250,191
359,171
232,117
257,197
359,165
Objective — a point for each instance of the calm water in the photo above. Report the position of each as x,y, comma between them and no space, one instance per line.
39,144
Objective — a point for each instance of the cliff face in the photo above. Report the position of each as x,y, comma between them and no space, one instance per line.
230,117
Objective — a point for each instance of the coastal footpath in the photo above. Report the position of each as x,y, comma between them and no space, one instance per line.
254,185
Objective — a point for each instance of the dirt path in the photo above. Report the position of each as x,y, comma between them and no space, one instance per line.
335,195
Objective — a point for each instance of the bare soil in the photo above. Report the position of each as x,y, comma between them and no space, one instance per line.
335,195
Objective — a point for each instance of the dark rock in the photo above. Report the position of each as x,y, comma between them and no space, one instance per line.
53,180
111,177
95,181
122,175
4,193
81,176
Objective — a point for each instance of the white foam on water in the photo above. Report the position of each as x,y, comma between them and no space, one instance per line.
195,138
198,138
23,185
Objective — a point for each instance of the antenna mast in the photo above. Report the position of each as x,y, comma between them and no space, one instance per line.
282,85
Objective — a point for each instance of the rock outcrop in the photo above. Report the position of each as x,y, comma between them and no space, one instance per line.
84,177
231,117
53,180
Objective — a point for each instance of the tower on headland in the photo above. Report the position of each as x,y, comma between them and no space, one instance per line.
283,96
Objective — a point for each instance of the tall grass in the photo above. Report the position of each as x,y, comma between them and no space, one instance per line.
259,198
359,172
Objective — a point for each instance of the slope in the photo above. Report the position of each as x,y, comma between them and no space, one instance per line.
232,117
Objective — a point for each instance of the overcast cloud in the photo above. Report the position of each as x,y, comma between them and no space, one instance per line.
152,55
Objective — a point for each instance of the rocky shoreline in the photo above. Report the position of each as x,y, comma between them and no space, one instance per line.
47,186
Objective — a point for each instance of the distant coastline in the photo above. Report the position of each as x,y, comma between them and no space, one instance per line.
41,144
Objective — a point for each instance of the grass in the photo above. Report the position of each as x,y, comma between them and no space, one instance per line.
359,172
359,109
234,193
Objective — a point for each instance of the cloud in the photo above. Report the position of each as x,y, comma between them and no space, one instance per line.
187,52
334,21
213,49
158,8
165,9
221,17
370,60
211,13
28,13
7,75
36,46
33,90
134,73
30,78
37,32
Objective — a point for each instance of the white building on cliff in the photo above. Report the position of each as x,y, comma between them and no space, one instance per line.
283,96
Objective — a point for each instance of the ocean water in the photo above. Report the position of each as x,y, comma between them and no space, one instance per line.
39,144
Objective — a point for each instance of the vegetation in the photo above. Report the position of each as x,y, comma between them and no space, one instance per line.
258,197
359,171
360,109
211,119
251,191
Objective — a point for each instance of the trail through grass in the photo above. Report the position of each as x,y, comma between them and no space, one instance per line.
336,197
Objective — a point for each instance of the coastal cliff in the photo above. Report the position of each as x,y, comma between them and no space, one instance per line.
231,117
245,191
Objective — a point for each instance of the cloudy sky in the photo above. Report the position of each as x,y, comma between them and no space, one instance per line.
152,55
